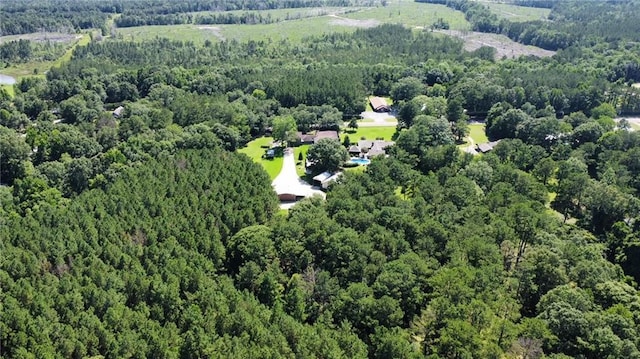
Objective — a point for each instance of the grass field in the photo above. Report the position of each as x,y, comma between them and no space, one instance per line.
369,133
477,133
256,148
412,14
312,22
285,14
294,30
518,13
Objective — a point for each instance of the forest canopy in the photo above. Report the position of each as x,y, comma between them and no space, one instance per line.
130,226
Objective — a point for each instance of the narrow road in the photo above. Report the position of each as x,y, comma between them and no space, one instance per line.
472,146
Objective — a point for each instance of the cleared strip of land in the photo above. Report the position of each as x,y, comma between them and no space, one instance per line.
505,47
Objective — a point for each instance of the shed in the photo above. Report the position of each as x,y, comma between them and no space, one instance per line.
118,111
379,104
306,138
317,180
487,146
354,150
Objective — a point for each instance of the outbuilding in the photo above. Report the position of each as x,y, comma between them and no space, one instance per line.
118,111
378,104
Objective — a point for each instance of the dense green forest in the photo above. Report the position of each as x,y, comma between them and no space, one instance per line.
143,233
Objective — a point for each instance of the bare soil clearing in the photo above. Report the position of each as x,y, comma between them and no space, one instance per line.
42,37
343,21
505,47
215,30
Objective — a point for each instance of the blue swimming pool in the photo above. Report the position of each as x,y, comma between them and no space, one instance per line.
360,161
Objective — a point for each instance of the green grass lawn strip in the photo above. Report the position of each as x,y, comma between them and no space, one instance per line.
477,132
255,149
369,133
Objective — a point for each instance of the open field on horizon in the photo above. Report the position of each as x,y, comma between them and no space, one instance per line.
327,20
286,14
293,30
42,37
412,14
518,13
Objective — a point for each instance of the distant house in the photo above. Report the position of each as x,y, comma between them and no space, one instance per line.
487,146
378,104
118,111
306,138
326,134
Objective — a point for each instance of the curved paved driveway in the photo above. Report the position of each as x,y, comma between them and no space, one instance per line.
288,182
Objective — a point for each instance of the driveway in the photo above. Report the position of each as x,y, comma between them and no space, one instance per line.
288,182
380,119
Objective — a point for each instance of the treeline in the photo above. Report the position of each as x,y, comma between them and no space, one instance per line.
140,19
21,51
27,16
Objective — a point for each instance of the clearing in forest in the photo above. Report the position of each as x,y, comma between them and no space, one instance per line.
257,148
505,47
41,67
412,14
517,13
296,24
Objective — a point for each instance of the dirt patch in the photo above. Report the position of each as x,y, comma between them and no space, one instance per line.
42,37
505,47
343,21
216,31
634,122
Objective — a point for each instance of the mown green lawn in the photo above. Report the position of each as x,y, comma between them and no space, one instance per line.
300,170
369,133
256,148
477,132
